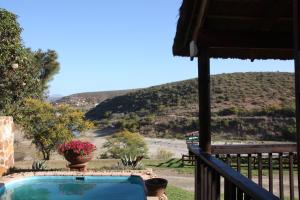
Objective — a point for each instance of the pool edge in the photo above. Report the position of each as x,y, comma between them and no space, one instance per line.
141,174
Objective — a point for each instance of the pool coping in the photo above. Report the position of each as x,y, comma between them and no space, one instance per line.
143,174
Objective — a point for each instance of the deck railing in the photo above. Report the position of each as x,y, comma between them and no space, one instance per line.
208,173
265,164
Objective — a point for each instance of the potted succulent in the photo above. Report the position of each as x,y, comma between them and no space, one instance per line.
78,153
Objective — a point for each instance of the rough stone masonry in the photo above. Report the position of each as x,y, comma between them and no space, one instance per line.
6,144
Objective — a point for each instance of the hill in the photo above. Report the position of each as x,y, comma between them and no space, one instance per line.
88,100
255,105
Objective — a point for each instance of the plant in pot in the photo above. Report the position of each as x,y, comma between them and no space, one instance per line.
78,153
156,186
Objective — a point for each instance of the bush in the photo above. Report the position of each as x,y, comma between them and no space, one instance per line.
131,123
125,143
163,154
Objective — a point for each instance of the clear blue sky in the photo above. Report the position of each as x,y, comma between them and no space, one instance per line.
114,44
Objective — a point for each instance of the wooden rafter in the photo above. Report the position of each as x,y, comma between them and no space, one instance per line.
245,40
189,27
200,18
273,13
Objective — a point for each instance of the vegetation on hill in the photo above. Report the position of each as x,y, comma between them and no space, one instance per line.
244,105
88,100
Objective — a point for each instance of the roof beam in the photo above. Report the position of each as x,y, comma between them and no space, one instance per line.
202,13
253,53
239,23
189,27
273,13
245,8
245,40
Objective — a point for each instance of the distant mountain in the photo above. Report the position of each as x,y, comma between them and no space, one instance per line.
259,105
88,100
54,97
153,99
242,90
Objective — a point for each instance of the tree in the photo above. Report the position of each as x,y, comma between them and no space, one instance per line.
125,143
19,78
47,125
47,64
23,73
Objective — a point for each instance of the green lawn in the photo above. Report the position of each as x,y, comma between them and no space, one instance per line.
175,193
173,163
109,163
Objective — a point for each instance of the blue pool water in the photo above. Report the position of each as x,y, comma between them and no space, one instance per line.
72,188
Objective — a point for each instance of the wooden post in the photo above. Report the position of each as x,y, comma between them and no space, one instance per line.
204,101
296,21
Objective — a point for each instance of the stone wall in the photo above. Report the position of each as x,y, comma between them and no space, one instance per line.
6,144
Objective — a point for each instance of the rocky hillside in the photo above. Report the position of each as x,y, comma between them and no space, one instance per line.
241,90
255,105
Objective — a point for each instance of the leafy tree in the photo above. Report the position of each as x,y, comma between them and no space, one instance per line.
19,78
125,143
23,73
47,64
47,125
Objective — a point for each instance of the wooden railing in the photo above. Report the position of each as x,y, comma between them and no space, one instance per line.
208,173
264,163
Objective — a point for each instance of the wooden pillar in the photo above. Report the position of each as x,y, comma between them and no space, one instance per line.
204,101
296,21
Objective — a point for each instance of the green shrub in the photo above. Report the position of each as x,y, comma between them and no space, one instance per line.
163,154
125,143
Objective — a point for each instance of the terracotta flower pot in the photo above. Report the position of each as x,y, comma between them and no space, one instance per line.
77,159
156,186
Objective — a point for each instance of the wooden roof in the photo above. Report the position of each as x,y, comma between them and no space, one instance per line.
245,29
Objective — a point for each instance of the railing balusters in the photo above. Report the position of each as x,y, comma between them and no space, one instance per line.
249,171
259,158
209,171
230,191
209,184
247,197
270,173
227,184
202,188
249,166
205,171
281,189
238,162
291,175
228,159
198,191
215,186
281,157
238,167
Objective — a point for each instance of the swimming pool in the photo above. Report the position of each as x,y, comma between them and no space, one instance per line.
74,188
